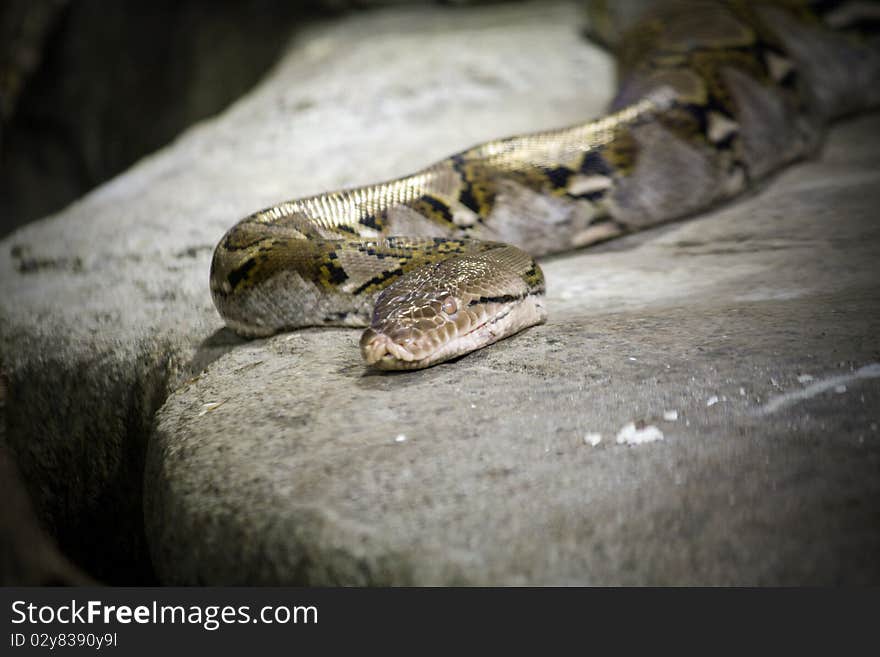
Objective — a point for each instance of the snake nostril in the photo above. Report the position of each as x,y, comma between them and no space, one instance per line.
367,337
374,346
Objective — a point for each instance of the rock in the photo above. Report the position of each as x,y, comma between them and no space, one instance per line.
283,463
105,307
280,464
279,461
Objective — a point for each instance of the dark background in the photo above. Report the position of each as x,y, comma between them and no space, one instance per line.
87,87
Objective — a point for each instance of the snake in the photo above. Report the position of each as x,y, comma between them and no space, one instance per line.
713,97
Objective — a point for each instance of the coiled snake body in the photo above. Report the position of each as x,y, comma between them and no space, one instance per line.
713,97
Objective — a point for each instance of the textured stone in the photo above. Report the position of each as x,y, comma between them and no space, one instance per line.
286,462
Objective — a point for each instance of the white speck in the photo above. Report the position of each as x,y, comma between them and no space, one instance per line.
401,438
210,406
631,358
805,378
566,294
840,389
873,426
670,416
630,435
473,405
712,400
742,392
593,439
774,382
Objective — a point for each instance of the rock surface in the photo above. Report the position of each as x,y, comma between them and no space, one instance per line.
755,328
285,462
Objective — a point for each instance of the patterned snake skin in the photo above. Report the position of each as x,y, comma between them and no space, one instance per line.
713,97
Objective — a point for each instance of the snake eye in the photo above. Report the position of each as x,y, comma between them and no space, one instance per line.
450,307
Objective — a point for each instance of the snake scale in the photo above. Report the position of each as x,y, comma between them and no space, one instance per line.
712,98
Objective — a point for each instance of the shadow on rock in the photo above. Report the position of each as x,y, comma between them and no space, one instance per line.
214,346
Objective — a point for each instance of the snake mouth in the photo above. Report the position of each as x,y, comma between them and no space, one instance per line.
384,353
377,348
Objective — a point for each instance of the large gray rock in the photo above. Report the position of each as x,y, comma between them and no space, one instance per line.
747,338
105,307
285,462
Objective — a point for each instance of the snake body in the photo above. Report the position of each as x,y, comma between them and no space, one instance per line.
713,97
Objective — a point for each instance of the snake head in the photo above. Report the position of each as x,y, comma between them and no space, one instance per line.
447,309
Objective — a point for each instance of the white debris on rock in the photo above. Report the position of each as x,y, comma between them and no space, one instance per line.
712,400
670,416
401,438
210,406
593,439
632,435
805,378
